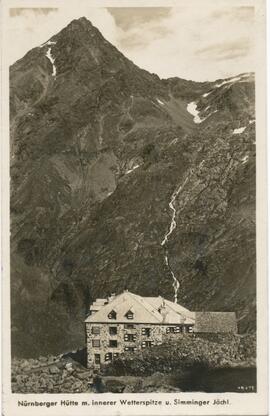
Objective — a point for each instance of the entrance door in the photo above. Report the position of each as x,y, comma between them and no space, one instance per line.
97,358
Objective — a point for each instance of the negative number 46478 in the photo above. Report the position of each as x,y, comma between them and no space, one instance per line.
246,388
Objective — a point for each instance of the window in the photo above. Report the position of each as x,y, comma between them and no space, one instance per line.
112,315
95,330
146,331
130,349
97,358
174,329
108,356
113,343
179,329
112,330
170,330
147,344
129,326
129,315
130,337
95,343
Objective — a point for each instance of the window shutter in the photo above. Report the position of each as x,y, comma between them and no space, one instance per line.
95,330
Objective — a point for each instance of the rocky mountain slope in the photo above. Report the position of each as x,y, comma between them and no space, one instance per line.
106,161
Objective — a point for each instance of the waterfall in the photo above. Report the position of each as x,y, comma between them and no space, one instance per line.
165,240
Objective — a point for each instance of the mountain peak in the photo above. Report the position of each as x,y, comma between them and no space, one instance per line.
82,22
81,31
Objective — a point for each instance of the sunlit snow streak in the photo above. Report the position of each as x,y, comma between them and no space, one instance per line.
228,81
52,60
231,80
131,170
207,93
173,225
245,159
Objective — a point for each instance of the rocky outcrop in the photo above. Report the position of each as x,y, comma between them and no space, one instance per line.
184,352
176,365
61,375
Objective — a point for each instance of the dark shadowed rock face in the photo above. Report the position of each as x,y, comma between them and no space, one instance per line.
97,150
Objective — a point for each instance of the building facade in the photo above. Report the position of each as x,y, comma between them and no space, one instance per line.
127,322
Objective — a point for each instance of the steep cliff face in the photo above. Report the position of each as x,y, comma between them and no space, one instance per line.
98,149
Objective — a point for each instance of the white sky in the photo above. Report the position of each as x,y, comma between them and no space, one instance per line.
212,40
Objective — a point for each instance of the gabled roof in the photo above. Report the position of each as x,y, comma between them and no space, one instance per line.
171,306
146,310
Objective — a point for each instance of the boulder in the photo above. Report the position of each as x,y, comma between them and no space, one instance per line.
69,367
115,386
50,386
42,360
51,359
130,388
77,385
54,369
83,376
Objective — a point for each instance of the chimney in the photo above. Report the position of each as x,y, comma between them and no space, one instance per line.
111,297
97,305
163,310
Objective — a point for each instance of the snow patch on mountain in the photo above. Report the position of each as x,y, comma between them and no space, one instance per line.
245,159
192,109
240,78
240,130
52,60
160,102
49,42
174,141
